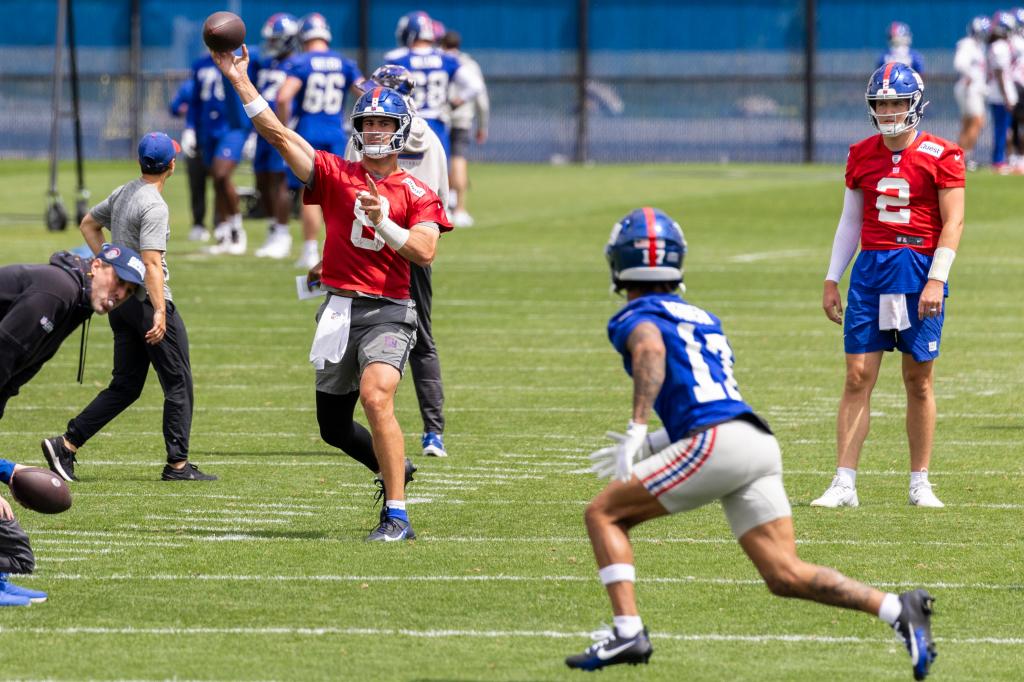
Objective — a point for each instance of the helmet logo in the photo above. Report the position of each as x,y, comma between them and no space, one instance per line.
652,236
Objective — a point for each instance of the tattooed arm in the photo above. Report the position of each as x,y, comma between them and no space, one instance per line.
648,357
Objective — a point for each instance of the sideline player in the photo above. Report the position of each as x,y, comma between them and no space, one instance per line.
319,80
1002,94
713,447
900,39
423,157
280,36
969,62
379,218
434,72
462,117
904,204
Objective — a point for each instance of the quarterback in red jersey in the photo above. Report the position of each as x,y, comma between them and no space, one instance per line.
904,205
379,218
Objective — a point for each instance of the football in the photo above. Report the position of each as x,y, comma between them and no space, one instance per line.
40,490
223,32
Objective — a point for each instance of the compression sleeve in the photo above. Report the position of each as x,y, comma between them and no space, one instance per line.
847,234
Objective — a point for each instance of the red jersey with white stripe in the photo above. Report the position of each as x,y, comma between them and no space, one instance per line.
355,257
901,190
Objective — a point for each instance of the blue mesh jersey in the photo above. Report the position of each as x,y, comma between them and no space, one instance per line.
270,75
321,102
432,70
215,107
902,55
699,389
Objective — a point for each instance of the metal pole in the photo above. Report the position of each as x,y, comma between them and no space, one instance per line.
135,56
583,73
83,193
810,52
58,87
364,36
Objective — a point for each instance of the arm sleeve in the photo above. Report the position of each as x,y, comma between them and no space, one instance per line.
847,234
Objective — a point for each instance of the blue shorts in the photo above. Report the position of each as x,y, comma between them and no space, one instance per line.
227,146
336,147
267,159
862,335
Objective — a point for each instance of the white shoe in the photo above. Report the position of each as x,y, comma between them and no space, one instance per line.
198,233
237,243
307,260
839,494
462,219
222,235
277,246
921,495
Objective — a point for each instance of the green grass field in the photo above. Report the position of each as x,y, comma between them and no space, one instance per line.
264,575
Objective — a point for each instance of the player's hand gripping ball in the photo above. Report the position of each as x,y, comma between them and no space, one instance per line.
223,32
40,490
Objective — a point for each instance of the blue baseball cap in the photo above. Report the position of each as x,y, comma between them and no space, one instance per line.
127,263
156,151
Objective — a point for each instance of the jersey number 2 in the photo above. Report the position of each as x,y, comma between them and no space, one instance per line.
886,202
706,389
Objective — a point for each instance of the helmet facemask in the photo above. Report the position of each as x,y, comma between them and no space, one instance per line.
377,144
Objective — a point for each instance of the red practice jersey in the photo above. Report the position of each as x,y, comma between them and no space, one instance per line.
901,190
355,257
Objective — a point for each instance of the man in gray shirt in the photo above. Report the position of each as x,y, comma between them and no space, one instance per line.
147,330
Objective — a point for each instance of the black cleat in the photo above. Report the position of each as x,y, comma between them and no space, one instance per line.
381,494
914,629
60,460
392,529
613,650
189,473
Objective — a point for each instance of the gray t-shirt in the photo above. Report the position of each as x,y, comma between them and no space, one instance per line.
138,218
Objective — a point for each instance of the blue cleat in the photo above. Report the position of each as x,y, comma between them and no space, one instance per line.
433,445
611,649
14,591
392,529
914,629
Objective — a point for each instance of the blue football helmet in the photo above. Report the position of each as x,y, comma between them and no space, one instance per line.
895,81
1018,16
395,77
414,26
314,26
900,35
979,28
1003,24
646,247
280,34
381,101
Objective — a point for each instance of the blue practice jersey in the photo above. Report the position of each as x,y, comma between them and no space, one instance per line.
270,75
215,108
179,105
902,55
432,71
320,104
699,389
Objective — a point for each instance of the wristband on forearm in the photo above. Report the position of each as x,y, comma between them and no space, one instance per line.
942,261
394,235
255,107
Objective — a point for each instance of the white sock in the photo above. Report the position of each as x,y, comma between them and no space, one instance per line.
311,246
281,227
235,220
628,626
395,504
918,477
847,476
891,608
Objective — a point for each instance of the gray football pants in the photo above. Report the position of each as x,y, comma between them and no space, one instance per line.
425,365
15,552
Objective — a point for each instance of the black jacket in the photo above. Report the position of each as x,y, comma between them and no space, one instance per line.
40,305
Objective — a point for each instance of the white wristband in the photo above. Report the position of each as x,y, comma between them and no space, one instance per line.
942,261
255,107
394,235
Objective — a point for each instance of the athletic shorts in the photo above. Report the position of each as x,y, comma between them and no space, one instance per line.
460,141
970,100
336,147
735,462
267,159
227,146
862,335
381,331
15,552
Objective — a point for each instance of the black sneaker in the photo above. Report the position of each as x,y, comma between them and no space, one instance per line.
60,460
613,650
189,473
914,628
380,495
392,529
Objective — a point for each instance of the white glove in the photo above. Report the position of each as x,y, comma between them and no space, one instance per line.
249,148
188,142
618,459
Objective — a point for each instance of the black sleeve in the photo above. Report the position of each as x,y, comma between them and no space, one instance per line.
24,329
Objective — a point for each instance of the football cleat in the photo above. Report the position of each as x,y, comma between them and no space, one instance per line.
60,460
839,494
462,219
914,629
277,246
222,235
611,649
921,495
237,242
433,445
12,600
392,529
198,233
14,591
381,494
189,473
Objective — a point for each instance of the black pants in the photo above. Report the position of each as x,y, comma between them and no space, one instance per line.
197,174
423,360
15,552
132,358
